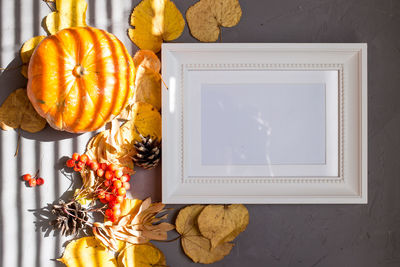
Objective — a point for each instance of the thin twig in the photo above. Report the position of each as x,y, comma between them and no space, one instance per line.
18,143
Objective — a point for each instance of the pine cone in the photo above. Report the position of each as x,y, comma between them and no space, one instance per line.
71,217
148,152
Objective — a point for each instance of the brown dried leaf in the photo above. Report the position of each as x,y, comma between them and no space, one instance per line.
148,87
196,246
134,228
206,17
221,223
147,59
18,112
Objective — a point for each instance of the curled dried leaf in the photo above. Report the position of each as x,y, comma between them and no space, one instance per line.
196,246
148,87
155,21
26,52
18,112
69,13
88,252
222,223
206,17
135,228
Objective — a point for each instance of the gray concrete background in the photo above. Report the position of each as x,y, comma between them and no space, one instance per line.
278,235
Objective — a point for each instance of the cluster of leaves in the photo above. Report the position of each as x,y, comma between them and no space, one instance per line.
155,21
129,238
207,231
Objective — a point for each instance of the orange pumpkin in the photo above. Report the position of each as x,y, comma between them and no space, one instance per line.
80,78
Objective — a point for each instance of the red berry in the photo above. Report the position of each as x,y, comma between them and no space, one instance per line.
113,219
100,172
77,168
70,163
119,199
118,173
109,175
112,167
32,182
39,181
107,197
93,165
80,164
27,177
103,166
103,200
125,178
127,186
83,158
109,212
117,184
116,206
107,183
75,156
121,191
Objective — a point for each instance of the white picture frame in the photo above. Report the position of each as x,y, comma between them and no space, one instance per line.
264,123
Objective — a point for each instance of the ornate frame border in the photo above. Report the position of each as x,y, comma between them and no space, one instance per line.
350,60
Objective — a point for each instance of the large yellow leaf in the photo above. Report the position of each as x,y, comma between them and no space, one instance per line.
221,223
26,52
145,255
18,112
69,13
206,17
155,21
88,252
196,246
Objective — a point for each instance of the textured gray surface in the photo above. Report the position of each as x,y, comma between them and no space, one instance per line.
278,235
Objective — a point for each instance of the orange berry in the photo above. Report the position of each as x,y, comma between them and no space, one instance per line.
109,175
103,166
121,191
83,158
116,213
118,173
100,172
32,182
125,178
109,212
27,177
75,156
70,163
112,167
77,168
117,184
119,199
126,185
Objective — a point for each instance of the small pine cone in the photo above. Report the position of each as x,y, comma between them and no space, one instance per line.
148,152
71,217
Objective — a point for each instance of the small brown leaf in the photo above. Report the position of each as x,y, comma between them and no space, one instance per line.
18,112
206,17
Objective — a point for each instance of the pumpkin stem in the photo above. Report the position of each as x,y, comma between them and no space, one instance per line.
78,71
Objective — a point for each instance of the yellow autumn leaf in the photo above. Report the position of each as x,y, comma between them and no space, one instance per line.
18,112
206,17
145,255
196,246
88,252
148,87
26,52
130,206
69,13
155,21
222,223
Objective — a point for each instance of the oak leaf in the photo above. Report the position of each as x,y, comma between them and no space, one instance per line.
222,223
18,112
69,13
137,228
144,255
26,52
155,21
206,17
88,252
196,246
